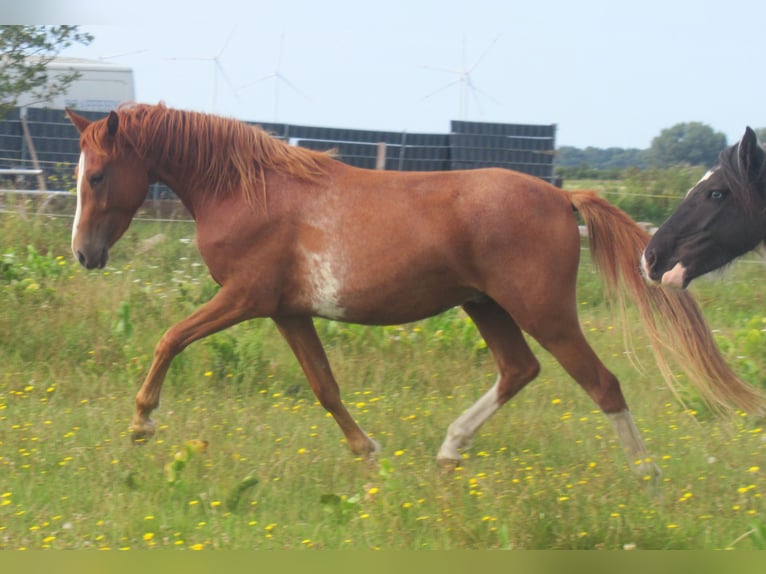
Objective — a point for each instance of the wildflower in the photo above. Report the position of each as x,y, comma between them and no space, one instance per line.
148,536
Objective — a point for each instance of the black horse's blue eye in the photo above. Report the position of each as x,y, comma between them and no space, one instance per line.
717,194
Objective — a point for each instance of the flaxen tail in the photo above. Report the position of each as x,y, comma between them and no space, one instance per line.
675,324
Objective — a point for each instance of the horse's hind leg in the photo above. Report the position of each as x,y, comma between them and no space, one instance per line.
516,367
561,335
304,341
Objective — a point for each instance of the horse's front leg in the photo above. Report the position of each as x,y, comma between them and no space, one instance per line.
300,334
225,309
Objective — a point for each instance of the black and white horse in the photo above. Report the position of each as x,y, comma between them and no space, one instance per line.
722,217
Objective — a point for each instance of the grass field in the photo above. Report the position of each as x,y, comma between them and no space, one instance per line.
546,472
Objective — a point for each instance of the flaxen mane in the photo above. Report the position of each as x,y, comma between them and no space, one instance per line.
219,153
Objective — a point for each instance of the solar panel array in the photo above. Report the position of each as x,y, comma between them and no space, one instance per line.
469,145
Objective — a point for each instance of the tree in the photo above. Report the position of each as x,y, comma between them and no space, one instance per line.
692,143
25,52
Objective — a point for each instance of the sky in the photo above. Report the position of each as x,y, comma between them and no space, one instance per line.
608,73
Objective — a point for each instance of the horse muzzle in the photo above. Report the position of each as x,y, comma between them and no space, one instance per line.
91,258
674,277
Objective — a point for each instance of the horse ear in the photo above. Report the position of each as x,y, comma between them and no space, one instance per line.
79,121
112,122
751,156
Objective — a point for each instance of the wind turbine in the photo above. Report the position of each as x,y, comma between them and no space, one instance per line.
277,76
216,69
464,79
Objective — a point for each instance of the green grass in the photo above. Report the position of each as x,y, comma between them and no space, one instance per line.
545,472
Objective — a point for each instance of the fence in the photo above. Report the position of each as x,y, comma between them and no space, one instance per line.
469,145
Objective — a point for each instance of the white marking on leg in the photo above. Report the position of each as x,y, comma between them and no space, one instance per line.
80,176
461,431
325,281
630,438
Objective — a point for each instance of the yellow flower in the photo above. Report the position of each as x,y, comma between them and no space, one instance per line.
148,536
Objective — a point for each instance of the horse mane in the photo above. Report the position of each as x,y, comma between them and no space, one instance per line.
742,187
218,153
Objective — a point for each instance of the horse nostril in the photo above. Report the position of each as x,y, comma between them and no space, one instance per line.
81,258
650,257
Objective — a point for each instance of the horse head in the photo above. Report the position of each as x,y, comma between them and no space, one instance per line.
722,217
111,185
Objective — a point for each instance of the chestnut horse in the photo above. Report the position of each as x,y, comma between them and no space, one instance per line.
722,217
292,234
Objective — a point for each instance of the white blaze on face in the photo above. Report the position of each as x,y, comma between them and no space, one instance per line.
80,176
704,178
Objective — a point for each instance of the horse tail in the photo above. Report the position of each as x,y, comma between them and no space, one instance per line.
674,322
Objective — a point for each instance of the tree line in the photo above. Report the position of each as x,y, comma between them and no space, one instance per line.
690,143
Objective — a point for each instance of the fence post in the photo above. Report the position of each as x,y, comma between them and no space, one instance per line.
380,160
33,153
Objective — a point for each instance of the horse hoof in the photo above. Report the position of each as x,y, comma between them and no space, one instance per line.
447,464
141,435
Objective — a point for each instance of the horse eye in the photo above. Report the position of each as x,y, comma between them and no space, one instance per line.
717,194
96,178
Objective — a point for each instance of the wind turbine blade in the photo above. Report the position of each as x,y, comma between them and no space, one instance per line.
474,89
226,43
190,58
281,51
258,81
292,86
484,53
437,69
443,88
122,54
226,78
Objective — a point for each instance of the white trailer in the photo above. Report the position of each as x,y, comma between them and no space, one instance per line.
101,87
